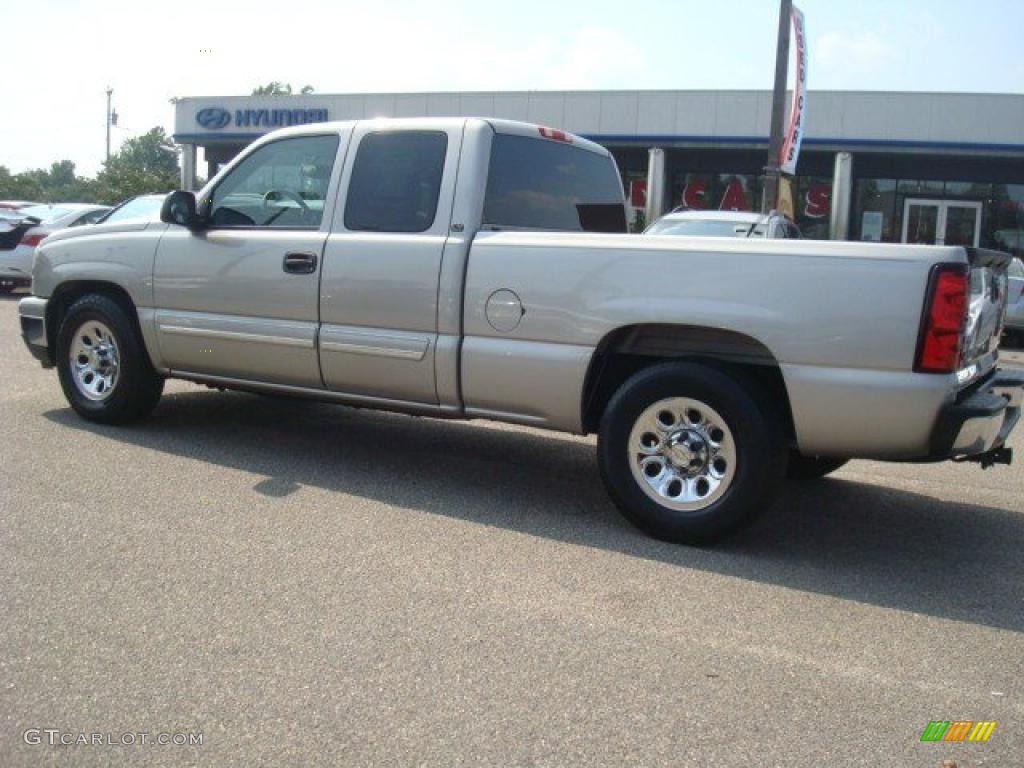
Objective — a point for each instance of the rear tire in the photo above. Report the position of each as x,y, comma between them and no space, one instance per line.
811,467
691,454
103,365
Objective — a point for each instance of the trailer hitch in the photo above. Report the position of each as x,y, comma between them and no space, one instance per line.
1000,455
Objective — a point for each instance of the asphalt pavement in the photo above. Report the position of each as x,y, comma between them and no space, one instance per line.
302,584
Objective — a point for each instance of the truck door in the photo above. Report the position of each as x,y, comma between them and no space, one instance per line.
239,299
382,261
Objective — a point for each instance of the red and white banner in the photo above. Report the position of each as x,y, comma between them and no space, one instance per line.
798,110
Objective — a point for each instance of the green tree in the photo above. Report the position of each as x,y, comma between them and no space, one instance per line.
274,88
19,186
143,165
62,174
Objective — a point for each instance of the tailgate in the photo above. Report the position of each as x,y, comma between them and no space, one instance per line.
988,287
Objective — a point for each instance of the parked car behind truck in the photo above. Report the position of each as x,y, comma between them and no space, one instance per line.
1015,302
24,227
445,267
695,223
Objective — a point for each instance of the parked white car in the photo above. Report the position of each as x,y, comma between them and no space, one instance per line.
694,223
1015,300
22,229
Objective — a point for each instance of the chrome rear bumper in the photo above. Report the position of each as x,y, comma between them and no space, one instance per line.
978,424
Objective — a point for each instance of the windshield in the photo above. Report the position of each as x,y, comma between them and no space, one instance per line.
705,228
139,208
44,213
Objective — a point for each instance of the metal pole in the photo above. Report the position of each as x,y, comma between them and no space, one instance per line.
842,196
655,185
109,92
771,170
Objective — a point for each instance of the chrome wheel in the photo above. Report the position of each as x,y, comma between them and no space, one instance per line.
94,360
682,454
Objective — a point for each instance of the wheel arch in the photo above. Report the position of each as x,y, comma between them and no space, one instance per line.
67,293
628,349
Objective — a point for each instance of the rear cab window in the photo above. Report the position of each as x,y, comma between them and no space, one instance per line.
544,184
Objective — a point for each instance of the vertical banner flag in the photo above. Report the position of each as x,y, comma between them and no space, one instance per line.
798,110
785,204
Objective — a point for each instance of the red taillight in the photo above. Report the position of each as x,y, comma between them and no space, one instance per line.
555,134
942,328
33,239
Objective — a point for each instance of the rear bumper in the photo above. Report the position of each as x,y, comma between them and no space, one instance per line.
32,313
979,422
16,264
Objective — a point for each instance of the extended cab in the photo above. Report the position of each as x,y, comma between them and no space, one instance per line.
473,268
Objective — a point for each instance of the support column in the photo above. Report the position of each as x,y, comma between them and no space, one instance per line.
655,184
188,167
842,196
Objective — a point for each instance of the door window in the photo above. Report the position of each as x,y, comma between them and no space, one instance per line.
396,181
961,225
922,223
942,222
282,184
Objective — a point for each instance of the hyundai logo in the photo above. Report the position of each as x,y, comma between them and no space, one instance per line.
213,118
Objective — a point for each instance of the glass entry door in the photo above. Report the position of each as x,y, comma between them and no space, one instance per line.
941,222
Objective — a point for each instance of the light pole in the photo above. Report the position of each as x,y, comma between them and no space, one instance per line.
109,92
772,170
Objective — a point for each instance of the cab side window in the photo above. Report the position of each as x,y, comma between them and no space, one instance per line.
281,185
396,181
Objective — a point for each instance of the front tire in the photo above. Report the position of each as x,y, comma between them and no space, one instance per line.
691,454
102,363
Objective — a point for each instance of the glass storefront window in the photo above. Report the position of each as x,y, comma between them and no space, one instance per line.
695,190
716,192
1004,224
737,192
972,189
921,188
874,211
742,192
813,206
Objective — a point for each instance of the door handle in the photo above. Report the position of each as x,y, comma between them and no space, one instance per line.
299,263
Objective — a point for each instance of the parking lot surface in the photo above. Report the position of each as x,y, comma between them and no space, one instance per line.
307,584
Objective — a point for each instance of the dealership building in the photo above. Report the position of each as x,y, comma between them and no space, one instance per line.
926,167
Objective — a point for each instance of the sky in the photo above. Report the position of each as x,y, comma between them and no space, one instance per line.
59,56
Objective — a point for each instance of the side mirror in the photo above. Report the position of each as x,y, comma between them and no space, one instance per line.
180,208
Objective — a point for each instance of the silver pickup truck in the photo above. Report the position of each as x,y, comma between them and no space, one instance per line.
473,268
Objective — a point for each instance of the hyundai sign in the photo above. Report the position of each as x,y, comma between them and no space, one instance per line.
218,118
213,118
